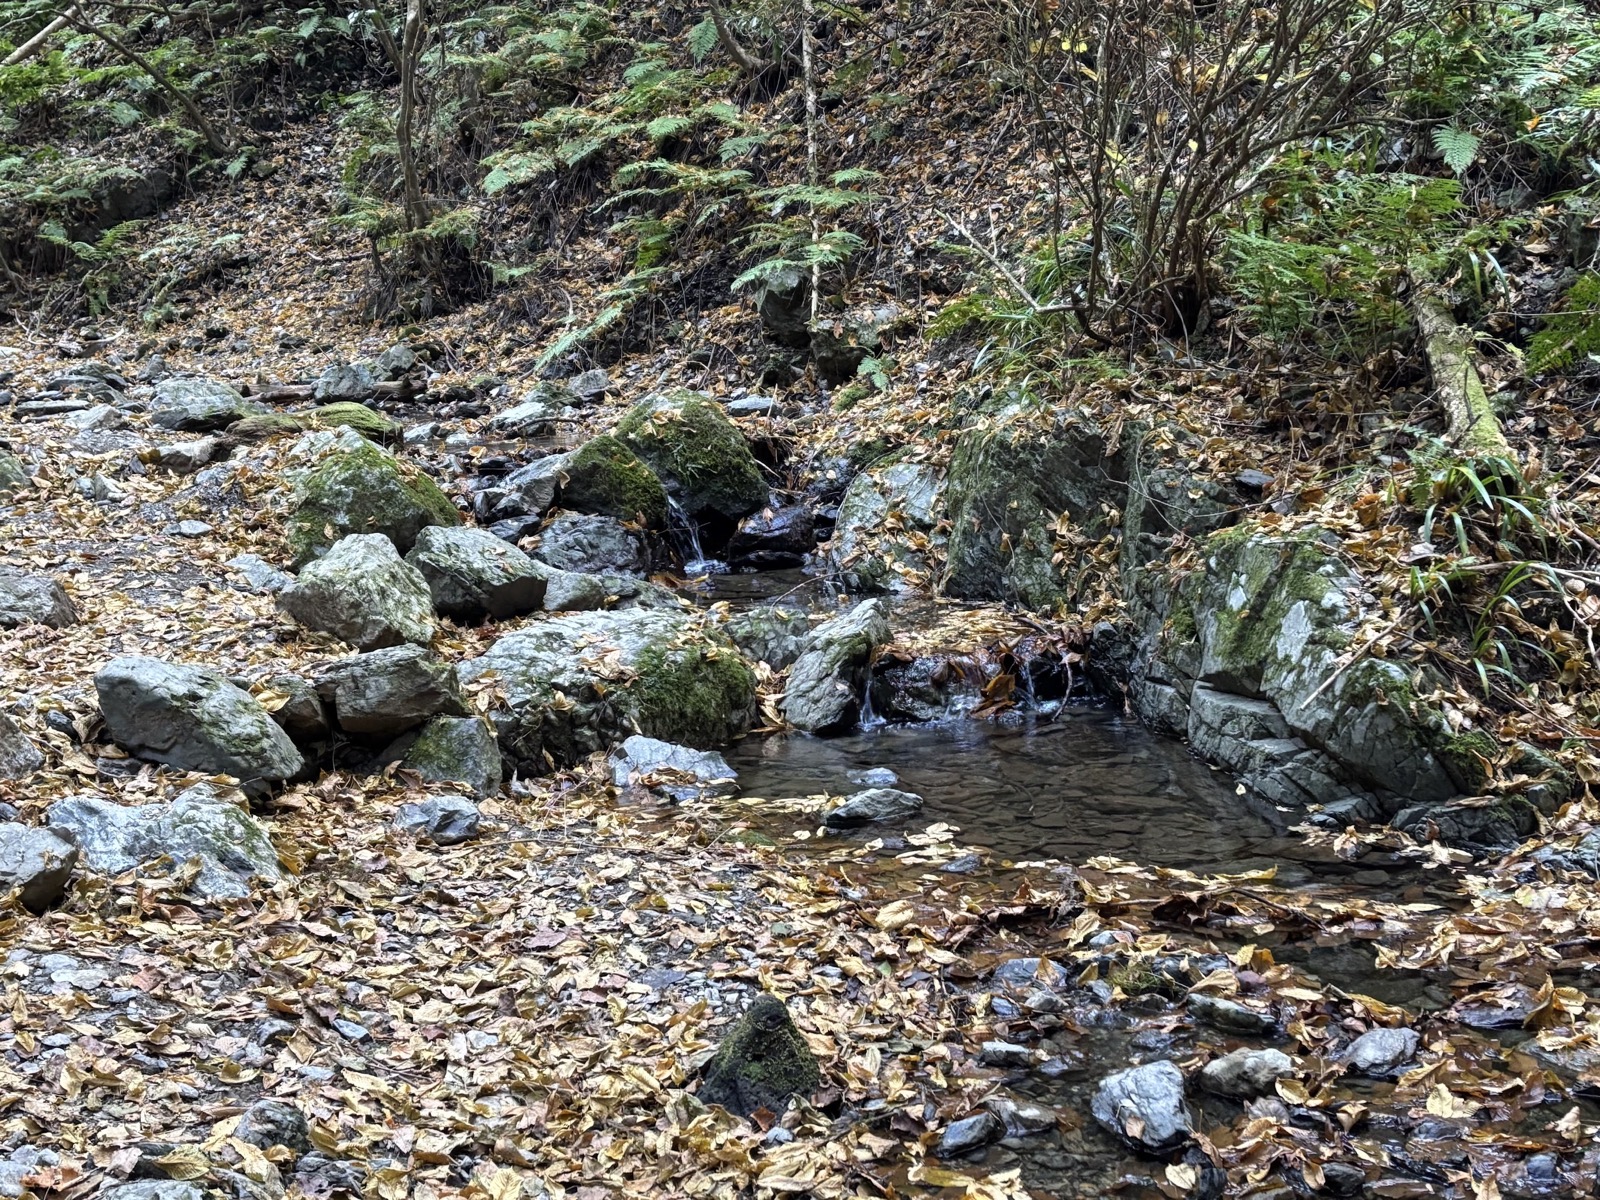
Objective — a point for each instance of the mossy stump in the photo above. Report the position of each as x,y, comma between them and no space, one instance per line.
763,1062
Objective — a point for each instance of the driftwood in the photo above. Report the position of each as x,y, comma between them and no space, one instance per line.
298,393
1470,424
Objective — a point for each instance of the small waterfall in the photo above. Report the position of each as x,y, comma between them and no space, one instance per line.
868,719
686,534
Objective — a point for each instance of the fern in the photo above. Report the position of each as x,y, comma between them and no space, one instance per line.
1458,147
702,39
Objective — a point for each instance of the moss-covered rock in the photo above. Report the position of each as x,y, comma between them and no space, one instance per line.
13,475
604,476
763,1062
358,487
584,681
346,414
453,750
261,426
1016,478
698,454
826,683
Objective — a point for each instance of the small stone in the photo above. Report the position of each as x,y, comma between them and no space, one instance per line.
261,575
199,405
352,381
187,457
193,529
753,406
873,804
1231,1016
269,1123
1381,1051
459,750
1145,1106
1005,1054
54,407
1253,480
970,1134
1021,1118
1026,974
447,820
1246,1073
873,777
591,385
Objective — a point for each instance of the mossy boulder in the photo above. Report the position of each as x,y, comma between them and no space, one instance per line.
888,524
604,476
1019,478
453,750
346,414
358,487
762,1063
584,681
700,455
827,681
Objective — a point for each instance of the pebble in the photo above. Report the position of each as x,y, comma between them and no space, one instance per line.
1005,1054
1231,1016
969,1134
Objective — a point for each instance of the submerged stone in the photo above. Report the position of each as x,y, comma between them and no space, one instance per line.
763,1062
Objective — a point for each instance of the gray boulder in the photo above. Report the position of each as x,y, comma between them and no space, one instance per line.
14,476
35,862
1246,1073
34,600
530,490
889,521
1380,1052
572,591
389,691
364,593
770,633
199,405
259,574
447,820
460,750
533,417
825,684
230,846
185,458
194,719
269,1123
679,773
1230,1015
473,575
302,714
345,381
19,757
1145,1106
873,804
592,544
700,455
581,682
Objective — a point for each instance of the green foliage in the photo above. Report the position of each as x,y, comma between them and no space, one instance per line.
1572,331
1458,147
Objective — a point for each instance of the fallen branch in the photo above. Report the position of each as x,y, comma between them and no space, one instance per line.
1470,423
730,41
37,42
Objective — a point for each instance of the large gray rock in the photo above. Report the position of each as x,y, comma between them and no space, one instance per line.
195,719
356,487
679,773
459,750
873,804
473,575
389,691
825,684
199,405
770,633
1246,1073
1381,1051
700,455
19,757
34,600
446,820
36,862
591,544
1145,1106
581,682
345,381
228,844
364,593
888,523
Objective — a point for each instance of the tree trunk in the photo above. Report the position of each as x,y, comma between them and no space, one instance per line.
1470,424
36,43
416,207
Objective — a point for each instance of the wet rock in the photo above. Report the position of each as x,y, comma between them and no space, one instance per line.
35,862
446,820
269,1123
1381,1052
826,681
261,575
24,1161
194,719
679,773
1231,1016
604,476
459,750
763,1062
774,538
14,476
230,846
199,405
187,457
152,1189
34,600
873,777
473,575
1246,1073
1006,1055
770,633
359,488
19,757
1025,974
873,804
970,1134
1145,1106
592,545
888,522
583,681
345,381
301,714
699,455
1344,1179
1021,1118
362,592
389,691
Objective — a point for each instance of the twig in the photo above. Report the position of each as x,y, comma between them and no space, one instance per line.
1040,310
1360,653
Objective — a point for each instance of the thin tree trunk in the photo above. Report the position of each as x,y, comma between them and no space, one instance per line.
807,15
416,209
214,140
1470,424
36,43
730,41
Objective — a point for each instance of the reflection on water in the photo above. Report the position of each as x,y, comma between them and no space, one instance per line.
1090,782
